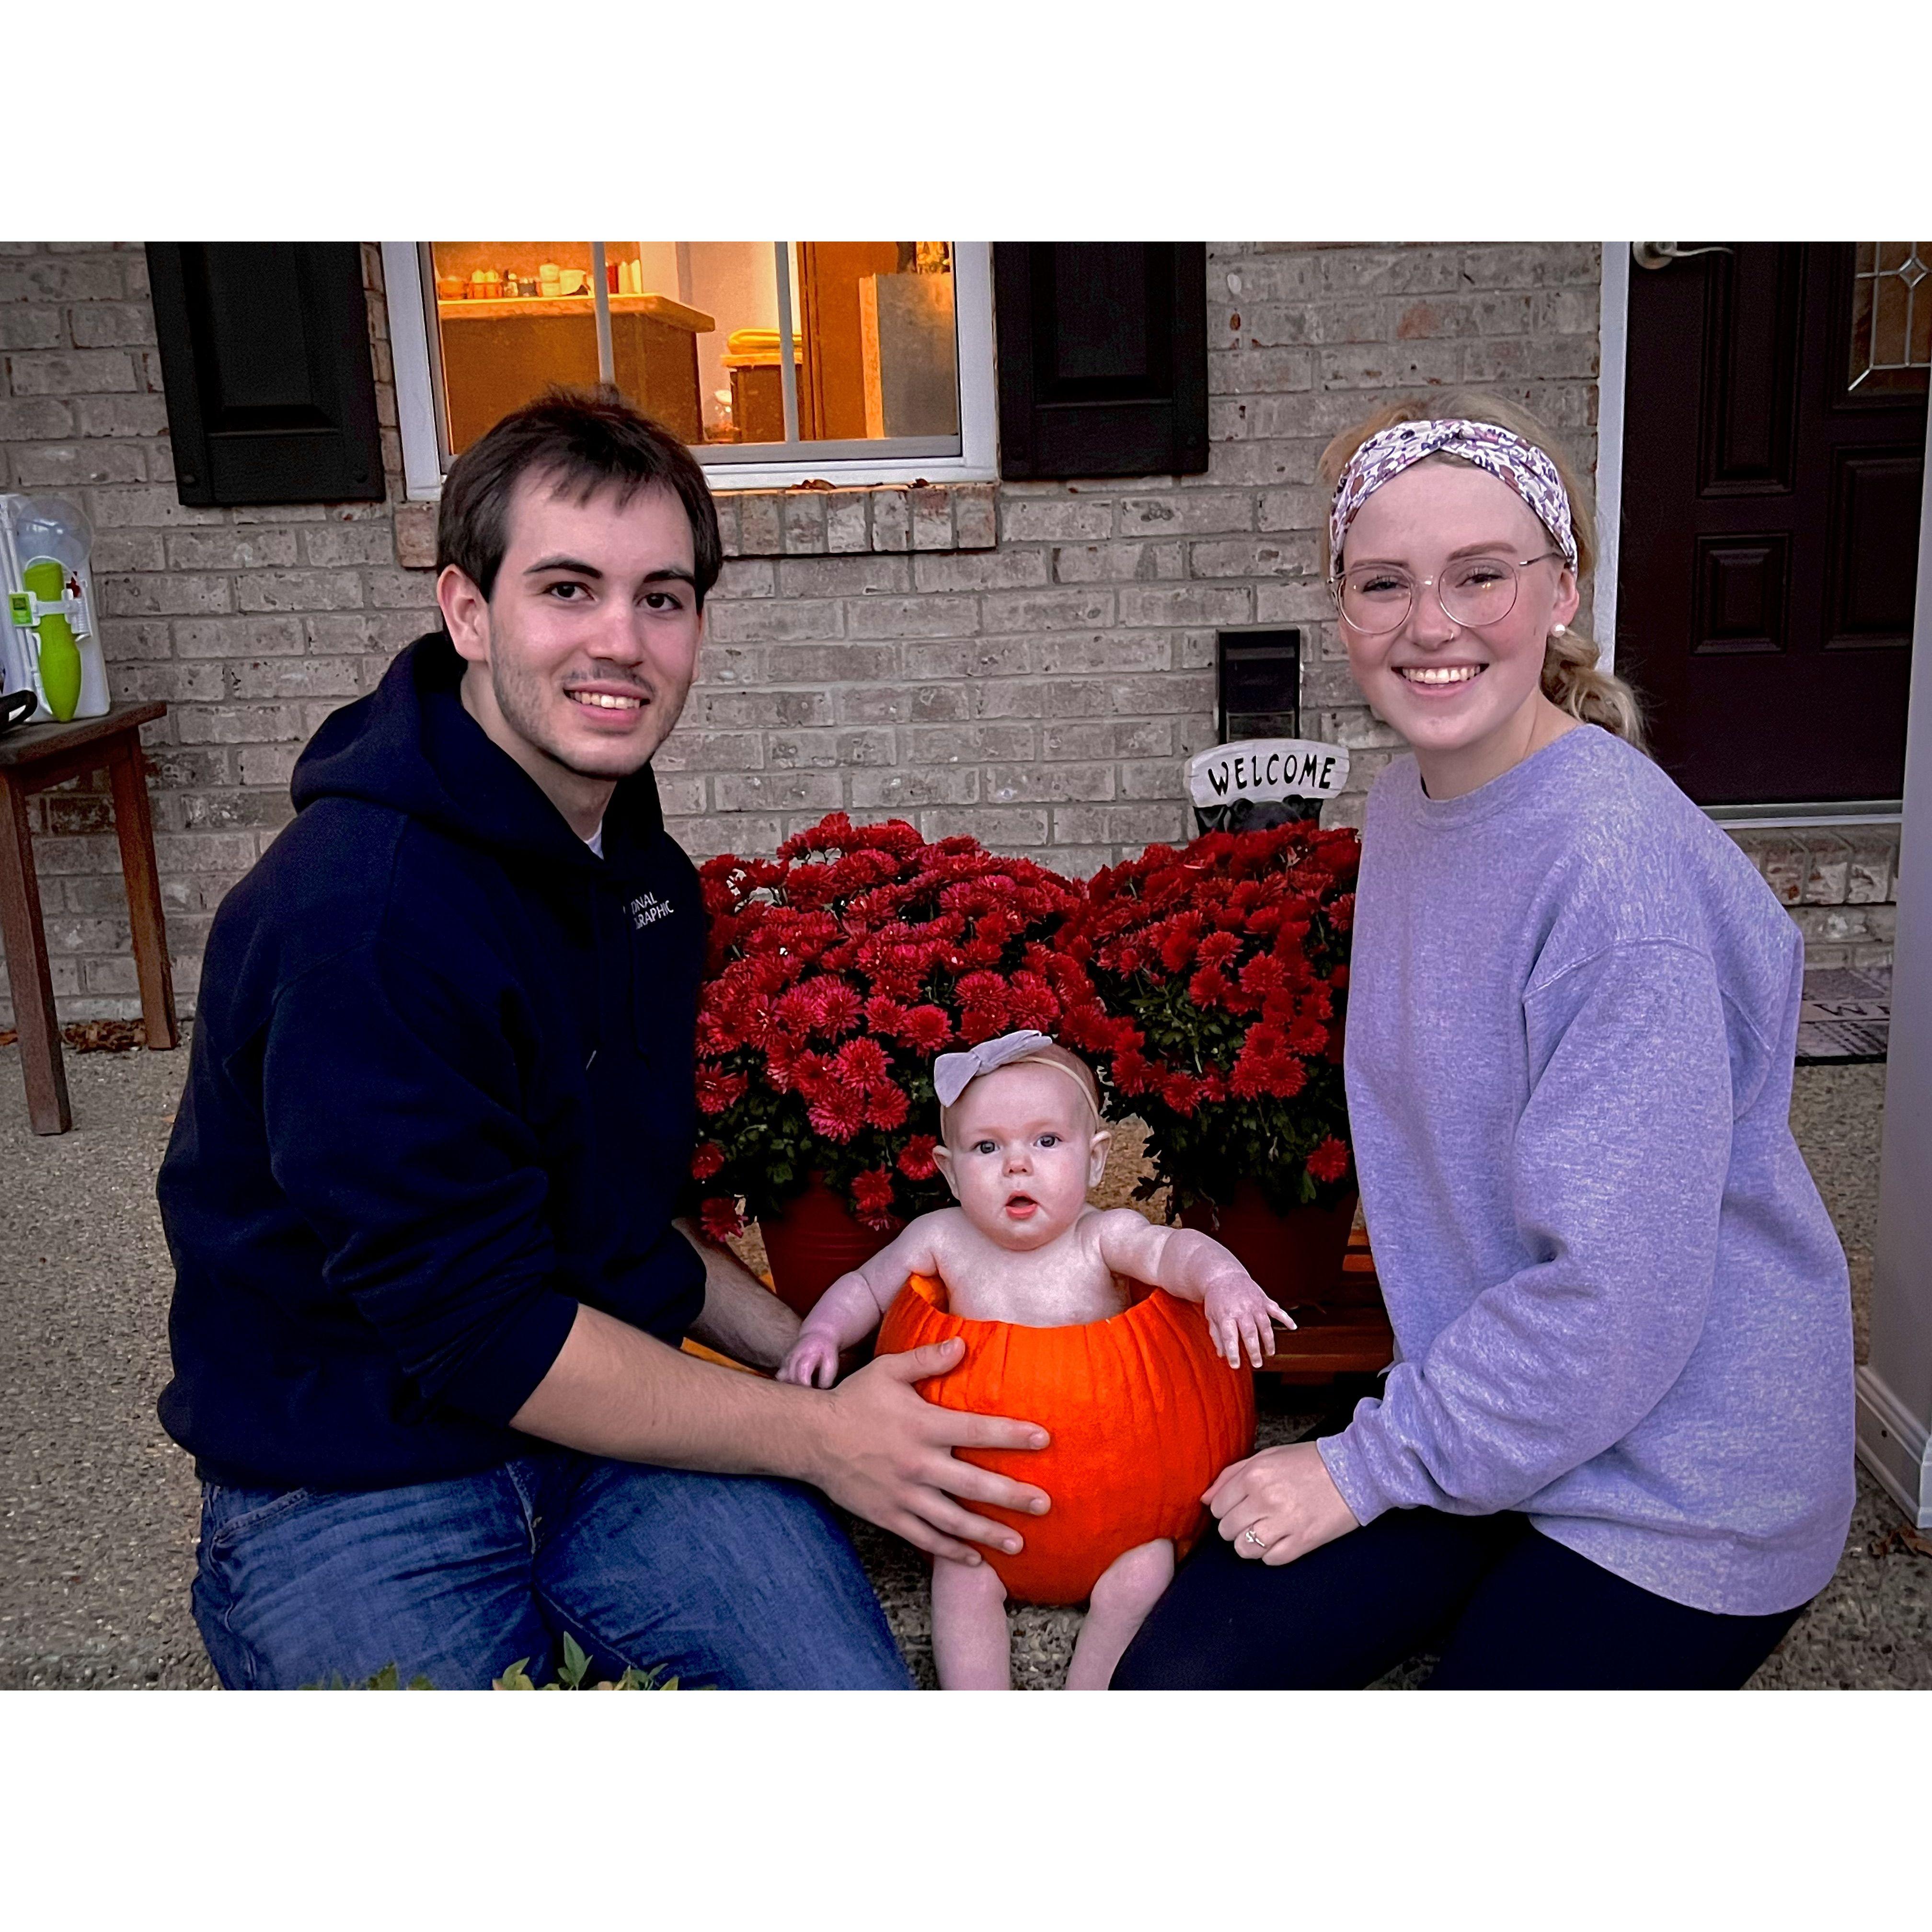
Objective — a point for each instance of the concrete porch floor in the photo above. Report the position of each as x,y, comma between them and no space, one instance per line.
98,1509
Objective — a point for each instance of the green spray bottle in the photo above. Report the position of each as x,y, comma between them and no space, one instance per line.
60,655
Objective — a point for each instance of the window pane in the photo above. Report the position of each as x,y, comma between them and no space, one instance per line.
881,350
513,317
736,283
694,336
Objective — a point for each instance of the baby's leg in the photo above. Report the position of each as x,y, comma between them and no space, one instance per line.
969,1627
1128,1588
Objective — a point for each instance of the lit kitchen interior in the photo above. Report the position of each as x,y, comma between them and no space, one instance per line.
694,334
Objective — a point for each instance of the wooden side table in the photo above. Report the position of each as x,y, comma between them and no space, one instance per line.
31,759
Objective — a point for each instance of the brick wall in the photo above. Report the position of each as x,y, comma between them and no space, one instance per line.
1030,663
1042,693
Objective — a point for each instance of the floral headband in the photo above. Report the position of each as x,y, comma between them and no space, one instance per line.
952,1073
1501,452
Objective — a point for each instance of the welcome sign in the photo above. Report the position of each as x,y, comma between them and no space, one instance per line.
1265,770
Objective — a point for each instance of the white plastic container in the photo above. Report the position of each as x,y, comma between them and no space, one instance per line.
31,529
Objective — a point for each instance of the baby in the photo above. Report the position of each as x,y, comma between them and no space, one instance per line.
1022,1143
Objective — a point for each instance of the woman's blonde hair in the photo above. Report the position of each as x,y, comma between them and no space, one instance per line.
1570,678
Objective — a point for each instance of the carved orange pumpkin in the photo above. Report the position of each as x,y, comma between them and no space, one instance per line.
1144,1415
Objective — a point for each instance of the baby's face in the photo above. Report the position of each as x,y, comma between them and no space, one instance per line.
1024,1153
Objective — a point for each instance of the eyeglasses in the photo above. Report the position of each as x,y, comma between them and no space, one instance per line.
1472,591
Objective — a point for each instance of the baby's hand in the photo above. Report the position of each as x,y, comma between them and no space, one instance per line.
813,1361
1237,1312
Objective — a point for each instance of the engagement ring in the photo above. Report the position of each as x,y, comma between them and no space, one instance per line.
1249,1536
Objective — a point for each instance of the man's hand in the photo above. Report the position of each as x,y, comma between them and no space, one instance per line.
1279,1504
1238,1313
886,1453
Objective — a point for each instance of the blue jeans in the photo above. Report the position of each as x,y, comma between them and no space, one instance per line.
734,1581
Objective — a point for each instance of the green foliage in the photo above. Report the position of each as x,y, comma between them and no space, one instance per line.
389,1678
575,1668
572,1675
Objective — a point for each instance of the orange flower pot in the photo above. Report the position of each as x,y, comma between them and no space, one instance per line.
1144,1415
812,1244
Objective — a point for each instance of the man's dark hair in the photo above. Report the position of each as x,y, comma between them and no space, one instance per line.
584,442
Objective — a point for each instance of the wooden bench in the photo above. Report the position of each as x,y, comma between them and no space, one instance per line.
1346,1334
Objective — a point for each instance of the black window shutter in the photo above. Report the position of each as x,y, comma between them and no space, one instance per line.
264,354
1103,358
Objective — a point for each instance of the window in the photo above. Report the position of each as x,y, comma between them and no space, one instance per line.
890,377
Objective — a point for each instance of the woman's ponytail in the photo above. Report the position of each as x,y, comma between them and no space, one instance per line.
1572,682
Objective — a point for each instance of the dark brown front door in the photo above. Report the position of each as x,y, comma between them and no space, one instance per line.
1773,457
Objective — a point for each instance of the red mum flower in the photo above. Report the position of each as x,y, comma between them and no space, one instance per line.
796,1012
1030,1002
1181,1091
872,1197
718,1219
1177,951
1263,974
1209,986
839,1008
1330,1161
885,1015
862,1064
706,1161
1248,1079
926,1028
717,1091
887,1106
1307,1037
838,1114
916,1161
1286,1077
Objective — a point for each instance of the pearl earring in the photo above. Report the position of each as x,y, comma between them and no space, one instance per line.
1559,630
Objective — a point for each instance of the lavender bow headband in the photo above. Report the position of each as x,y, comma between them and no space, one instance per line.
952,1073
1490,447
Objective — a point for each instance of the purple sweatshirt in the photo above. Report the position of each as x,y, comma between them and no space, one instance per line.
1619,1303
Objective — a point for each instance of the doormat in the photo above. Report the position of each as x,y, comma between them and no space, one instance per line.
1845,1016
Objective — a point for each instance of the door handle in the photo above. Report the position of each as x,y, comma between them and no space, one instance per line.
1661,254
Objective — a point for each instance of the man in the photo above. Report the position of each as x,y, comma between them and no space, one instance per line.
429,1294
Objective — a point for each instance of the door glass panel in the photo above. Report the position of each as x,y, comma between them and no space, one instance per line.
1891,319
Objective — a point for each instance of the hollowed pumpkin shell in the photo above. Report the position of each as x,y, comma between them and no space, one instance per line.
1144,1415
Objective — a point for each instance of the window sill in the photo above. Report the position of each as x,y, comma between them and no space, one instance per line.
883,518
815,521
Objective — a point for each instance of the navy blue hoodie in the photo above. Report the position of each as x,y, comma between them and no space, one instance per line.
440,1093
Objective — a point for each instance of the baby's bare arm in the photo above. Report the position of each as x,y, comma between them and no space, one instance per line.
1179,1259
855,1304
1195,1268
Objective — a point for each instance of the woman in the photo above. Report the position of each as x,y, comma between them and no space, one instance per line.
1616,1449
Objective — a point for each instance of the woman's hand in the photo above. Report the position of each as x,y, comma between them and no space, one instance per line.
1279,1504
